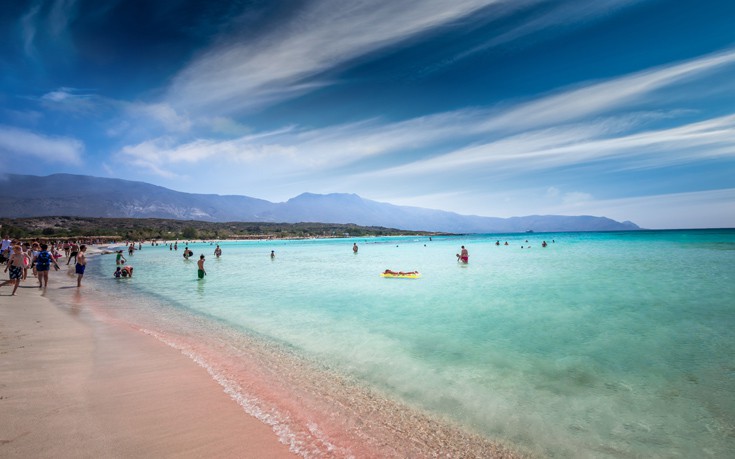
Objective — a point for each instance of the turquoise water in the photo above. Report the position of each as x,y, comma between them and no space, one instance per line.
599,345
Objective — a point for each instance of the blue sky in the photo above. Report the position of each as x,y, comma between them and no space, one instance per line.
617,108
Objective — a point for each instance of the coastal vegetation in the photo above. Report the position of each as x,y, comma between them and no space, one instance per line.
165,229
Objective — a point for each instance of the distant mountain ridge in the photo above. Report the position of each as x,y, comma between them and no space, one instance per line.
87,196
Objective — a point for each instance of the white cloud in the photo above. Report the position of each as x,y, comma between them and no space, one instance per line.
75,100
28,28
555,14
163,114
321,36
162,155
59,95
601,98
55,23
571,128
228,126
25,143
60,15
326,34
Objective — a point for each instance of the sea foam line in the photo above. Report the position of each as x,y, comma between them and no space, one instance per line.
279,422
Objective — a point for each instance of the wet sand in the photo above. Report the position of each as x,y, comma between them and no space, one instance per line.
71,386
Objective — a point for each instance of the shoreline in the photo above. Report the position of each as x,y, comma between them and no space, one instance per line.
74,386
272,398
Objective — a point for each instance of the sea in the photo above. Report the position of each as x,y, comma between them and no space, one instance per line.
599,345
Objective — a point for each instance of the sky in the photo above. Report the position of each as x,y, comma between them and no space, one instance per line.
615,108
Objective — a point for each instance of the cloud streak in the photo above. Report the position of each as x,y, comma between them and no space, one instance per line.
23,143
628,92
326,34
549,132
322,36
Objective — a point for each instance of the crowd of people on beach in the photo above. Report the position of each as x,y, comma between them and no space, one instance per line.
38,256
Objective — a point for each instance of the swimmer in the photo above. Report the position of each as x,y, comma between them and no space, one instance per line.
200,264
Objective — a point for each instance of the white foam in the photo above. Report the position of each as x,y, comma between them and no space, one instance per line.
308,445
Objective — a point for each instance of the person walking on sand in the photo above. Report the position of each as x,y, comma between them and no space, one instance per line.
81,264
5,246
200,264
74,253
15,265
43,265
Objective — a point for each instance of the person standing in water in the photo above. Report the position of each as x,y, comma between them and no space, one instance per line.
354,247
201,272
218,251
464,256
81,264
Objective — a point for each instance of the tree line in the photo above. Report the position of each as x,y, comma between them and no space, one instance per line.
164,229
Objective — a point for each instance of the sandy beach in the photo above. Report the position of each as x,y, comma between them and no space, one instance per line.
71,386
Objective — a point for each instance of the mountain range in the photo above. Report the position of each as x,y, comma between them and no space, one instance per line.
87,196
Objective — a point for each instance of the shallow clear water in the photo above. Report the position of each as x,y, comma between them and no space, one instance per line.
599,345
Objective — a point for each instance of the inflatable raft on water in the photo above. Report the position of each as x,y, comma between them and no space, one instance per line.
414,275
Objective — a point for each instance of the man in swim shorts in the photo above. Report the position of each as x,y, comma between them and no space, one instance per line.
201,272
74,252
81,264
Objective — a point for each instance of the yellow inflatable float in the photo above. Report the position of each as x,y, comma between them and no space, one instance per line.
400,274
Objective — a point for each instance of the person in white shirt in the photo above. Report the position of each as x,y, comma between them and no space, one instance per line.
6,243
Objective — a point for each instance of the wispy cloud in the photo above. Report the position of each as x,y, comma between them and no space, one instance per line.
162,154
323,35
326,34
629,91
556,14
61,13
584,143
29,28
74,100
52,21
161,113
551,131
25,143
